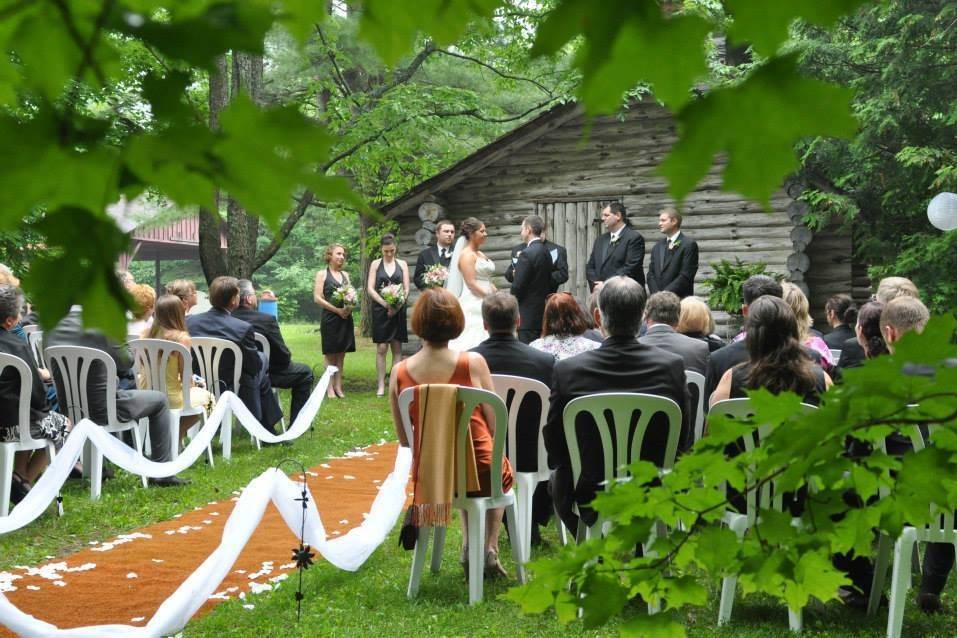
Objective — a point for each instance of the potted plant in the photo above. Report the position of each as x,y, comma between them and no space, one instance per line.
725,286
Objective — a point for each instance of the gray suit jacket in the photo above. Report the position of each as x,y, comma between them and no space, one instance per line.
693,352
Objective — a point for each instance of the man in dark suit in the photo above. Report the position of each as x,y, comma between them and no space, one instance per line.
661,318
619,252
131,405
505,354
559,258
621,364
674,258
723,359
533,279
441,253
283,371
254,390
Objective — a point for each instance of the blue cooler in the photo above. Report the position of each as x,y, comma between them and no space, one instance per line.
270,307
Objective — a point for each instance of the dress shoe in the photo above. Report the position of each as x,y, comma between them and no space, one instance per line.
929,603
169,481
19,488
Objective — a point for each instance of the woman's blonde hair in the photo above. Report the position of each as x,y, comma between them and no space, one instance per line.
169,320
794,297
329,250
695,317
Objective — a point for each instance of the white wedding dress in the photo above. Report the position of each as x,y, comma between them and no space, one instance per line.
474,332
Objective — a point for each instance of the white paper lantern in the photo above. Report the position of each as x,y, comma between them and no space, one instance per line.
942,211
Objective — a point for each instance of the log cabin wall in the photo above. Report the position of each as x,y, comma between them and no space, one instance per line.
571,163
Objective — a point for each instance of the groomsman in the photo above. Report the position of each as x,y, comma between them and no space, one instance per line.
532,279
441,253
619,252
674,258
559,258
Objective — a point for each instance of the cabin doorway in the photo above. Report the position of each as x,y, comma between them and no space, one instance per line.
574,225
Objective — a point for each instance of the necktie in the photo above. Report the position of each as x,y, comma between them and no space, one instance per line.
442,253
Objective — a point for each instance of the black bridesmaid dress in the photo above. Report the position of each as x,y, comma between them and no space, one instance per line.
338,334
385,328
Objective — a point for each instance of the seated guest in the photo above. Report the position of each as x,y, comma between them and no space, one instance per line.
695,321
145,298
776,360
593,332
505,354
890,288
131,404
44,424
661,318
868,330
563,328
283,371
841,313
185,290
436,319
126,278
169,323
796,299
621,364
736,352
254,389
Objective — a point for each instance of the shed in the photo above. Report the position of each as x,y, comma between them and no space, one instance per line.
565,167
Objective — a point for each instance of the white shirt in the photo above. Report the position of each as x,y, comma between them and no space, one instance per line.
673,239
614,235
531,240
444,252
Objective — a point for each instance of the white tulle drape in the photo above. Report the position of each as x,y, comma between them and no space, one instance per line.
347,552
454,283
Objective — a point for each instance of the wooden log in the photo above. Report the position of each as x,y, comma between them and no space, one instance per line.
799,261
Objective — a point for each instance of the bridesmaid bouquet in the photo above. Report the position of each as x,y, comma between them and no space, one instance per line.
394,295
435,276
345,296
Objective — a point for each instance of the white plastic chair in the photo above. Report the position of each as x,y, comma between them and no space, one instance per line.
26,443
513,390
35,340
476,506
33,327
208,351
836,355
70,367
696,379
150,358
263,344
741,409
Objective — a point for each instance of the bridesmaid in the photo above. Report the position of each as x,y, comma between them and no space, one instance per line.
388,323
338,331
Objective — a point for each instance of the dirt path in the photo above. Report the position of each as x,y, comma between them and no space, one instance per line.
126,579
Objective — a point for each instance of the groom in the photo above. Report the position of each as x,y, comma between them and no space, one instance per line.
532,279
441,253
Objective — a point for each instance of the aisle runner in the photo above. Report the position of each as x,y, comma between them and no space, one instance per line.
125,579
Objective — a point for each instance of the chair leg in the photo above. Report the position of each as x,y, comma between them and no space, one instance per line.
51,453
476,540
880,573
138,442
729,585
174,418
900,582
796,620
418,561
6,478
518,551
562,530
226,433
96,472
437,546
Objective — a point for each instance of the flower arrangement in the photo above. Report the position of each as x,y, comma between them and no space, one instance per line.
345,296
394,295
435,276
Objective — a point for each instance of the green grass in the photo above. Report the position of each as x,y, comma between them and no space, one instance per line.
372,601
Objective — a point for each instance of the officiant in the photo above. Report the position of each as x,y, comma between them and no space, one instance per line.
618,252
440,254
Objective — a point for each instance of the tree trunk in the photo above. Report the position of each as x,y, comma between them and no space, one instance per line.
365,306
210,223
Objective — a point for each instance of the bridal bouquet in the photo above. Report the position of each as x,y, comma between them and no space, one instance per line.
345,296
394,295
435,276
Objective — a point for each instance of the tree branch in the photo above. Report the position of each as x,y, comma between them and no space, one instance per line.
493,120
497,72
340,79
404,75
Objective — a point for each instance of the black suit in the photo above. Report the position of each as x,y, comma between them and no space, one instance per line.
532,284
10,383
835,338
852,354
427,258
283,371
255,391
558,255
131,405
625,257
621,364
673,270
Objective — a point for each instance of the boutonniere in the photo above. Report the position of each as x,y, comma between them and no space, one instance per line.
614,240
675,244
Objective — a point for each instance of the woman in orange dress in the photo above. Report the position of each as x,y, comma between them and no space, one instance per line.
436,319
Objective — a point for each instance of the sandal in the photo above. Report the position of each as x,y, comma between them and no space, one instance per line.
493,568
19,488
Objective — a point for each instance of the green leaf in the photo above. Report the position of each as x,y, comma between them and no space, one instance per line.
603,596
756,123
815,576
765,24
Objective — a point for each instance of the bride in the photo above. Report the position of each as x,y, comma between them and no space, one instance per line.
470,279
